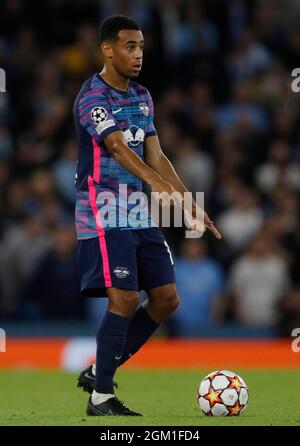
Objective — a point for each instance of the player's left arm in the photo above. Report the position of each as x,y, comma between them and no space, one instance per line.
159,162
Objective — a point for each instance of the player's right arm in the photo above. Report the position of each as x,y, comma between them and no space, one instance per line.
96,116
116,145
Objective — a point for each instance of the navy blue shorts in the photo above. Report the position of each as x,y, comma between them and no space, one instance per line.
125,259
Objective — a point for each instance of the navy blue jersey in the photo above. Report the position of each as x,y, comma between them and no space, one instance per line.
99,110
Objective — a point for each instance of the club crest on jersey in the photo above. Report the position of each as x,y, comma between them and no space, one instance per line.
144,108
121,272
99,115
134,135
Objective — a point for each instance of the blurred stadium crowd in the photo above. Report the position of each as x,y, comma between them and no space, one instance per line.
220,76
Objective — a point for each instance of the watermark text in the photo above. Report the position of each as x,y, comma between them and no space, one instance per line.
2,81
296,341
2,341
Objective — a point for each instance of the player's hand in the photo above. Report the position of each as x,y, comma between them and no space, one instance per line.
199,222
209,224
166,193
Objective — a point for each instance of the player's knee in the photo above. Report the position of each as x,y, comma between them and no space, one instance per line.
130,302
125,303
169,302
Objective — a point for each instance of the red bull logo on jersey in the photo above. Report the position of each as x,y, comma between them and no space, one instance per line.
134,135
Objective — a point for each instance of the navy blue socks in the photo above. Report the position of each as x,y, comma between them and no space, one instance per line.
111,337
118,338
140,329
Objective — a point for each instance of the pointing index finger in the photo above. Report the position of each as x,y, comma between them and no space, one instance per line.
214,230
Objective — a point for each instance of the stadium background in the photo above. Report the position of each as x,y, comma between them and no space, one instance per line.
220,76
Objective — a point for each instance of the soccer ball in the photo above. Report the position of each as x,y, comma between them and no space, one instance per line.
222,393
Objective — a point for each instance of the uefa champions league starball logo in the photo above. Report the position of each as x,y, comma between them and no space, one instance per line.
99,115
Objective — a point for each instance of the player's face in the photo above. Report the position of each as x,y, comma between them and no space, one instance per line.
127,53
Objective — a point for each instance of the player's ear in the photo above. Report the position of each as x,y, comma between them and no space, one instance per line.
106,49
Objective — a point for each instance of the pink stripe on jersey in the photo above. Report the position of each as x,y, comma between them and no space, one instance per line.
97,158
101,233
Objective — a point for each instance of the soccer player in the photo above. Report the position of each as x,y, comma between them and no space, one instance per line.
118,144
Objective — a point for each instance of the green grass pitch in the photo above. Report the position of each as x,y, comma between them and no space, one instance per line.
167,398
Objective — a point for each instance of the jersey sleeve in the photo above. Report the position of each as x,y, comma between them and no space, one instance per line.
151,130
95,115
